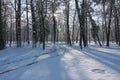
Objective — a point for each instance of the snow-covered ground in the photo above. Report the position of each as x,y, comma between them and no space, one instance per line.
60,62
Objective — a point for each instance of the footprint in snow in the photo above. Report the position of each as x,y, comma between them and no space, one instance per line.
98,71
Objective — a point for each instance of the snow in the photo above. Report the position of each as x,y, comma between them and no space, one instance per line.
60,62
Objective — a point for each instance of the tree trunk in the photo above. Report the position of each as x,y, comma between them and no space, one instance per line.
18,23
109,23
54,27
11,30
34,31
81,18
42,23
2,42
27,22
94,29
67,3
73,27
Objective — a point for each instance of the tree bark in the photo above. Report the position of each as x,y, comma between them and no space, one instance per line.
81,23
109,23
2,42
67,4
34,31
27,22
73,27
18,23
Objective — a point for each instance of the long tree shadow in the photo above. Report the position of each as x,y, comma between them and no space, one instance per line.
109,59
110,47
48,69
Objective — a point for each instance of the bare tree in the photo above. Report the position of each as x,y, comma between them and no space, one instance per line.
94,30
81,23
73,27
27,18
18,22
2,42
67,12
34,27
109,23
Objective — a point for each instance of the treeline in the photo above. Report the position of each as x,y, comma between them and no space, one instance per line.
70,21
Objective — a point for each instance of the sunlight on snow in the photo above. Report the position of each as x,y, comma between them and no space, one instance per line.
108,50
80,67
73,68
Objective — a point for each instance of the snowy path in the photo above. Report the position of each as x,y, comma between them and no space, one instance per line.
12,64
92,63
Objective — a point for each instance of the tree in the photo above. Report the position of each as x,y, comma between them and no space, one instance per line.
18,22
42,13
27,22
67,12
11,27
117,29
109,23
53,6
2,42
81,18
34,26
94,30
73,27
